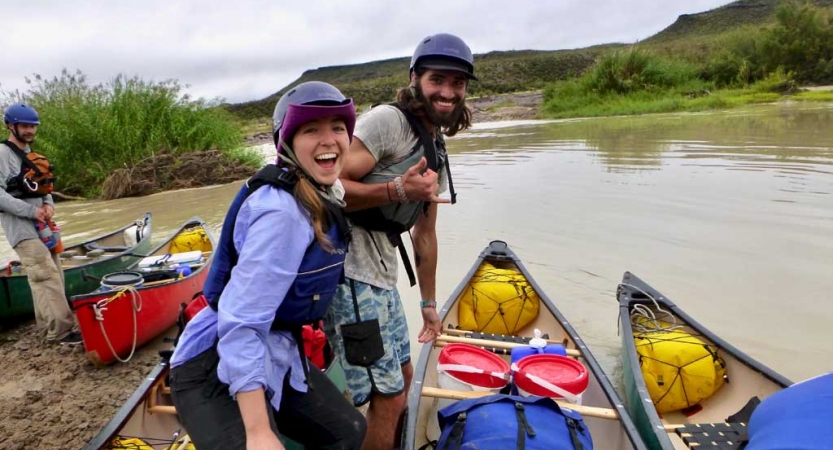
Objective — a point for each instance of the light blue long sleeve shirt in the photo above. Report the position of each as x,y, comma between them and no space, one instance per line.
271,235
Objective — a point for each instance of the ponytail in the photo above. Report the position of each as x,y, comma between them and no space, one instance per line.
306,194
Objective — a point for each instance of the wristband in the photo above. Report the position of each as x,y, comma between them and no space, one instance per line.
428,304
400,190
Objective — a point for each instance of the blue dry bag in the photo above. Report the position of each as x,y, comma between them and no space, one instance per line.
505,422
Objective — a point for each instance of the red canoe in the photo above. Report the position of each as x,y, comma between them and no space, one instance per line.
124,315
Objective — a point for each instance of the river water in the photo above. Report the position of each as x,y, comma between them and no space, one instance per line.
730,214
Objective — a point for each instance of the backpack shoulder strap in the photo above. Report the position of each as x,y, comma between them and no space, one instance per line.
22,155
428,144
424,136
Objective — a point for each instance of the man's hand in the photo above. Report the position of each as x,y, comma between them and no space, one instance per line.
422,186
431,326
41,215
50,211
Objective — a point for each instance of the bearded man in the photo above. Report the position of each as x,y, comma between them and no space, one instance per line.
395,170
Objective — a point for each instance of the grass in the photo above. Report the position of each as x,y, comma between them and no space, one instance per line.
89,131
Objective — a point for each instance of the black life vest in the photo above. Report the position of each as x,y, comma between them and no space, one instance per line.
35,178
397,218
400,217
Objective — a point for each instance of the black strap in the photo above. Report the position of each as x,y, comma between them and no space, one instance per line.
450,183
406,261
455,437
427,142
22,155
574,428
299,341
355,300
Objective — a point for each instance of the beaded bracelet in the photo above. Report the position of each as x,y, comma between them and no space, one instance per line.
428,304
400,190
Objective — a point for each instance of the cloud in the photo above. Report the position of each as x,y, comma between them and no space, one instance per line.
248,49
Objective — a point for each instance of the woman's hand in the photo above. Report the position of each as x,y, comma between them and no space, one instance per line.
263,440
259,434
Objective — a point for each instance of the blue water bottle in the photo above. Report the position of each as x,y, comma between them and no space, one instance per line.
537,346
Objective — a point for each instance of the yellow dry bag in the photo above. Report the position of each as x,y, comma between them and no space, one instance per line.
499,301
190,240
680,370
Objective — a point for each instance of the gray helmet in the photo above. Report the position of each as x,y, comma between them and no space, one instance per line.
443,52
309,101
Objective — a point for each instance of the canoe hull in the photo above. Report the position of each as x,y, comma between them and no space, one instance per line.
618,434
16,304
122,321
140,415
747,377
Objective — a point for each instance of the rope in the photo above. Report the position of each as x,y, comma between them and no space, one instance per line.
136,300
644,320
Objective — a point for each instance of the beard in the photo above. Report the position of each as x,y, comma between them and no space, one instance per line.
443,120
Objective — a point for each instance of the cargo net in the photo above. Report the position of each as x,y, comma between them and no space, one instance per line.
680,369
497,300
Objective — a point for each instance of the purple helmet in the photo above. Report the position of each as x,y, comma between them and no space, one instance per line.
21,113
443,52
310,101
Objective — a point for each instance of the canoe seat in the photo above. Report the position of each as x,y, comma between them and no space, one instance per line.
718,436
96,246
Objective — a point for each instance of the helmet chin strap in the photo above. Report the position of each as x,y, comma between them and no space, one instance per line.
334,193
16,134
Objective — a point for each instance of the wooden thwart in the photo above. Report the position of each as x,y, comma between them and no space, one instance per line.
589,411
488,343
463,333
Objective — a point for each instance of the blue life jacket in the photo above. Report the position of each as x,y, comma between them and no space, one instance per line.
320,273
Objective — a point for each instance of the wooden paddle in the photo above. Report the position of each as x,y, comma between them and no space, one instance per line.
589,411
492,344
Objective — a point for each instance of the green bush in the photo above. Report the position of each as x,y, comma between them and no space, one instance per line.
800,42
88,131
634,70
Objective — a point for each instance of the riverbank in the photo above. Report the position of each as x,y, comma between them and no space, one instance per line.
53,397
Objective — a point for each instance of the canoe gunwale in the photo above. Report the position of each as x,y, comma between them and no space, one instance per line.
124,414
155,294
626,300
500,251
19,310
84,299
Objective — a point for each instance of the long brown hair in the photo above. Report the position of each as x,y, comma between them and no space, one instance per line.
307,195
407,99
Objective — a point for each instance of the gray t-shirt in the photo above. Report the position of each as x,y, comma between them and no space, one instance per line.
385,132
16,214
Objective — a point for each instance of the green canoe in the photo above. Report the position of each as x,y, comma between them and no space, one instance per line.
83,265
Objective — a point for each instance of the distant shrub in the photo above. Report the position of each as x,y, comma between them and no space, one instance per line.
88,131
635,70
800,42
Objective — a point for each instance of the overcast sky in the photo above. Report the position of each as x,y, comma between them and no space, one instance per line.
243,50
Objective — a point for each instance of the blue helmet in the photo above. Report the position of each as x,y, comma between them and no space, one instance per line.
21,113
443,52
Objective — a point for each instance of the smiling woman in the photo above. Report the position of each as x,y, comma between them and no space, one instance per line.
239,376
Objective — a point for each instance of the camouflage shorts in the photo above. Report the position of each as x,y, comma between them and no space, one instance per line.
385,375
